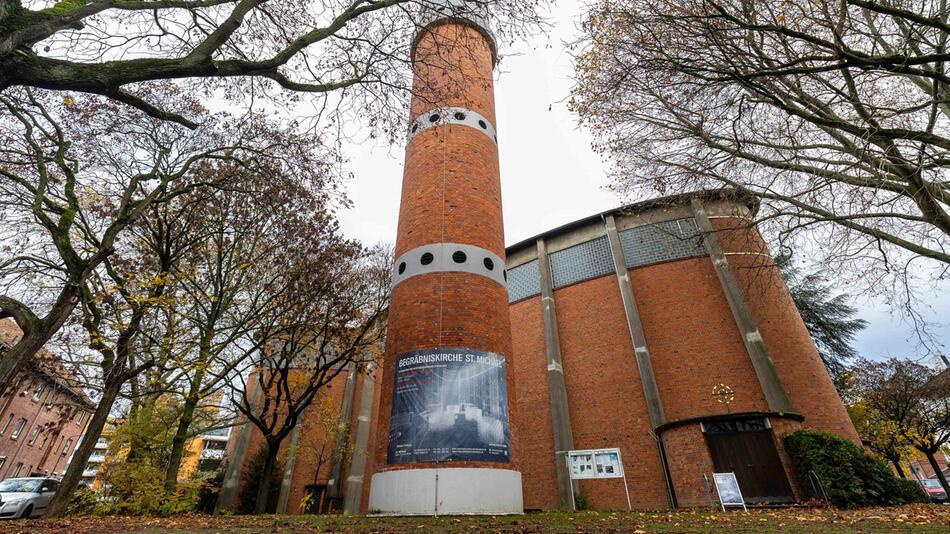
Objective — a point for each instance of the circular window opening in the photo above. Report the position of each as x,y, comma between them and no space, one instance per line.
459,257
402,267
459,116
434,117
426,258
415,128
482,124
490,265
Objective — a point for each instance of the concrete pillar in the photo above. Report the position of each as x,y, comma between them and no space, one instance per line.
335,482
647,379
288,478
557,391
232,476
354,482
651,393
772,388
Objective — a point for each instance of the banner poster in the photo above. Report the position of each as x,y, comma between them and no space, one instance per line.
449,404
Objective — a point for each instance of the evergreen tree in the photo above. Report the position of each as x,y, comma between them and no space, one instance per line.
830,319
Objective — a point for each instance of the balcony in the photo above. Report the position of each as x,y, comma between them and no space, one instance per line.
97,457
212,454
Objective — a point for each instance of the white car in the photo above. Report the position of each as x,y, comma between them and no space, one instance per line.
26,497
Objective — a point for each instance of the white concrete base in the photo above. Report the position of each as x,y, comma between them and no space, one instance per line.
446,491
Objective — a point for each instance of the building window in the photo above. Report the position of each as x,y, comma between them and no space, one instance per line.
734,426
580,262
82,417
45,439
38,391
19,467
18,429
6,425
34,435
659,242
524,281
67,445
3,460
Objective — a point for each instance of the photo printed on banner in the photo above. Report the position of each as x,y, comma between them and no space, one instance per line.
449,404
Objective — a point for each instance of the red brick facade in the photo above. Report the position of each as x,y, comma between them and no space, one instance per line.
694,344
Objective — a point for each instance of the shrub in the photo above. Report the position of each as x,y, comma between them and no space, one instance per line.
83,502
850,476
137,488
580,501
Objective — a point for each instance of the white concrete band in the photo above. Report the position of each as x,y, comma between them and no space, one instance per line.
450,490
440,116
443,257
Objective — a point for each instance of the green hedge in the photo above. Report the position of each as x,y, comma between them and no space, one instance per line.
850,476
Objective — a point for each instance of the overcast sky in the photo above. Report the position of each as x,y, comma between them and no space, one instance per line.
551,176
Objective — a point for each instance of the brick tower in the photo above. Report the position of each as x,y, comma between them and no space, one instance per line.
444,439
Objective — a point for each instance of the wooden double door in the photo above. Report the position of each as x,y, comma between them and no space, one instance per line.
747,449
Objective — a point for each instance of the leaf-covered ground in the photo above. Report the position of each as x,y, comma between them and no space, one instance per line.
916,519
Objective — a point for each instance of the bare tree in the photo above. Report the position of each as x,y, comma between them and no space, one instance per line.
107,47
61,163
132,296
332,318
834,114
234,275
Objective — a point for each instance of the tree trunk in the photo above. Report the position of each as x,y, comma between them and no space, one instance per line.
267,473
20,353
933,463
178,442
73,473
39,332
897,467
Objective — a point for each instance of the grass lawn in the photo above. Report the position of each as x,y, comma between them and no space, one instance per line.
917,519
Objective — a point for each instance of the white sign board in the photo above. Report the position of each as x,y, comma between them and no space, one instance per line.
728,489
595,463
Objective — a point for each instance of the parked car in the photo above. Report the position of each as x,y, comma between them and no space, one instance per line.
26,497
934,490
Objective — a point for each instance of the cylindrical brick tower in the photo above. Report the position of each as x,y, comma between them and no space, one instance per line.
444,438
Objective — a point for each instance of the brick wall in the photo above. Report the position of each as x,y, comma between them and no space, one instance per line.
605,396
693,340
694,345
790,346
533,413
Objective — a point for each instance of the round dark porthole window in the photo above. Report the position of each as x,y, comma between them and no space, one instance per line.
482,124
434,117
490,265
402,267
459,116
459,257
426,258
